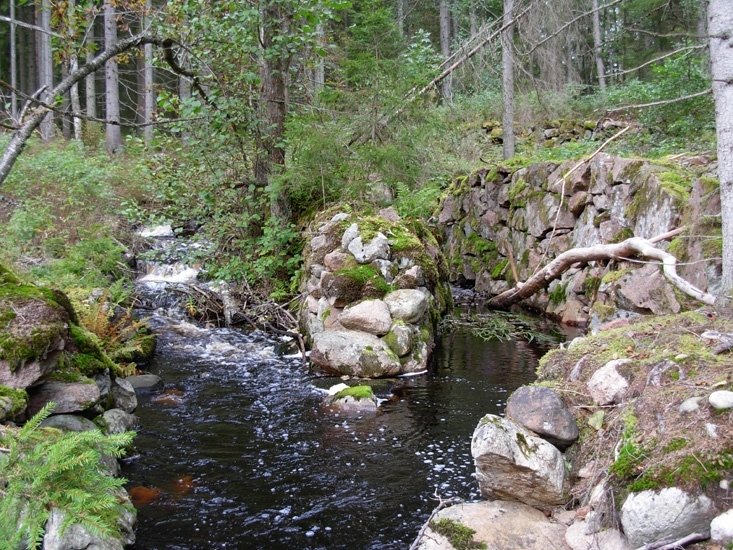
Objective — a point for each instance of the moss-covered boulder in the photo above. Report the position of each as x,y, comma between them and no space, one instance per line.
34,330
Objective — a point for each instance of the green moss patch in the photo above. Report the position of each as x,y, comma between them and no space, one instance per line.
357,392
460,536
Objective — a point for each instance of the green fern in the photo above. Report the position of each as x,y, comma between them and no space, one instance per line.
44,468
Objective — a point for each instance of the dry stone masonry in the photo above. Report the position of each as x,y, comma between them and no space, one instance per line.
527,216
374,290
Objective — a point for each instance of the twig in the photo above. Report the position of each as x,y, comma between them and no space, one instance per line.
441,504
667,545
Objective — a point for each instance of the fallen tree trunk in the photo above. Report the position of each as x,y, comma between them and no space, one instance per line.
629,248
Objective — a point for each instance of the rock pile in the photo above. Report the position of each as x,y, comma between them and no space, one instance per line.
374,290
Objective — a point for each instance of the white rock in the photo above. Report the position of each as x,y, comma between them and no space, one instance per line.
690,405
721,399
611,539
408,304
607,386
370,316
351,233
366,253
513,464
721,528
668,514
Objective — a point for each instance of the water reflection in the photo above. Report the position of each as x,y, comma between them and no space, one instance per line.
265,466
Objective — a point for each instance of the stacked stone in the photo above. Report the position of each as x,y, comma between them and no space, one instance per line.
370,310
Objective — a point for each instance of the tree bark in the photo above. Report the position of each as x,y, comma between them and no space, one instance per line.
13,61
45,68
626,249
447,85
597,43
149,92
90,81
720,28
113,134
507,80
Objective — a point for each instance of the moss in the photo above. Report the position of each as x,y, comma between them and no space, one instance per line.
622,235
18,399
499,269
600,218
515,189
590,286
357,392
558,294
613,276
459,536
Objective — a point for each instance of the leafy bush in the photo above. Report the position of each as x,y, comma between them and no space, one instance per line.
43,468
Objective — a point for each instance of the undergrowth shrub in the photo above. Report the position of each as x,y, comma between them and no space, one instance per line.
44,468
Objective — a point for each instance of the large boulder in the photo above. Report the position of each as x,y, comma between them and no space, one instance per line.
513,464
69,397
540,410
370,316
500,525
354,353
669,514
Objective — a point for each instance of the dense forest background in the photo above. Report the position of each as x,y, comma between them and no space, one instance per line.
240,119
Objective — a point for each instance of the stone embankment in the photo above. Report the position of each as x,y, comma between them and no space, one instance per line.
500,225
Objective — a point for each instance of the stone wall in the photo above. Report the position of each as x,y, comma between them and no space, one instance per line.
527,215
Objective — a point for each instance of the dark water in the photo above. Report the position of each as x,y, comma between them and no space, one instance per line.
268,468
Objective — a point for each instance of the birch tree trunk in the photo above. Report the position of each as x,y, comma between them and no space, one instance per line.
113,135
720,28
597,43
507,80
45,69
90,81
447,84
74,92
13,69
148,80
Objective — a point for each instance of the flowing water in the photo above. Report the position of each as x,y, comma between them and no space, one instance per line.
239,452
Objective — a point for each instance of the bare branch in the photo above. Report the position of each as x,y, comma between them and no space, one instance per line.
662,102
29,26
661,57
630,247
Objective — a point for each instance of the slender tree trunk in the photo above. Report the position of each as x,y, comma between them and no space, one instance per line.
13,69
507,81
90,81
45,69
319,74
149,91
447,84
597,43
720,27
66,108
113,135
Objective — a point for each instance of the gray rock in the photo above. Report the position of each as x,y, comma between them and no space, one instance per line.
69,396
123,395
513,464
69,423
721,400
400,339
671,513
77,537
116,421
354,353
352,405
407,304
104,382
540,410
370,316
611,539
607,386
366,253
351,233
721,528
690,405
501,525
143,383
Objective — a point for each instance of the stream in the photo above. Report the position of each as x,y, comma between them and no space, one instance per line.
240,452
